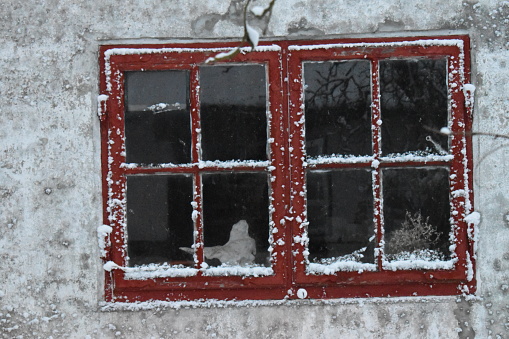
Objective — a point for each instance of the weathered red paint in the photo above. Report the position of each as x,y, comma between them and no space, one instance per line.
287,192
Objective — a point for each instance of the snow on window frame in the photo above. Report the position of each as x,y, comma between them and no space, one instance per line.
291,271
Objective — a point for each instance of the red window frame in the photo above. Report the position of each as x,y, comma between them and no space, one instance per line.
287,169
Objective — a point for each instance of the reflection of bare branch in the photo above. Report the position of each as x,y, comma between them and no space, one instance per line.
330,81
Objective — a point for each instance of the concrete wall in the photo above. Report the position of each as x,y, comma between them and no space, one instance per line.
50,176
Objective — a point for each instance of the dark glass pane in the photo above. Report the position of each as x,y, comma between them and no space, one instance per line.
157,120
416,213
239,199
414,105
340,214
159,218
338,113
233,112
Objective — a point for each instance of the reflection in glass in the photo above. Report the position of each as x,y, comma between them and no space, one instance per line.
159,218
413,105
157,120
416,213
338,113
339,207
233,112
235,207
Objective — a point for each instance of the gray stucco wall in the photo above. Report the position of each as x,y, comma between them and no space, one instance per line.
50,176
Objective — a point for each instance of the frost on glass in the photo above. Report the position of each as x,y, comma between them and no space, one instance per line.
416,213
414,105
233,103
159,218
337,108
157,120
339,208
236,218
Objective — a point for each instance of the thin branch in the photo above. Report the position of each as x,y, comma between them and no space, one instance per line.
245,38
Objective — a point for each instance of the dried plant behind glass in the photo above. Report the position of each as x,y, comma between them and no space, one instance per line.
416,236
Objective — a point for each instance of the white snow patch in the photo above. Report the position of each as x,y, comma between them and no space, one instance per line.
469,88
253,35
103,233
470,268
258,10
473,218
110,265
445,130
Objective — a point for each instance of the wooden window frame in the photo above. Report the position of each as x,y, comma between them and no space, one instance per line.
286,167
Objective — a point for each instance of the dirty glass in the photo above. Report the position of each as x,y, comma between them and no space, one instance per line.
157,120
159,218
233,103
416,213
414,105
337,108
339,209
236,218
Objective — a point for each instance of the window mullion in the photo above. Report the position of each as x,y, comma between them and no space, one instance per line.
376,128
196,158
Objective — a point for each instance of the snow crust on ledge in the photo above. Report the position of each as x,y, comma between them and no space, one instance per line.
415,156
201,164
245,271
152,271
422,42
215,303
339,159
135,51
419,264
343,266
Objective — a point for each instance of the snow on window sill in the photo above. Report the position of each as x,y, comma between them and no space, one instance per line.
245,271
343,266
419,264
153,271
214,303
158,271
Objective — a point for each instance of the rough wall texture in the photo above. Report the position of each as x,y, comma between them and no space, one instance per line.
50,188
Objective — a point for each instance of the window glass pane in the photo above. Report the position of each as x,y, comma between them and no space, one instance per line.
233,112
340,214
236,218
338,113
159,218
414,105
157,120
416,213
